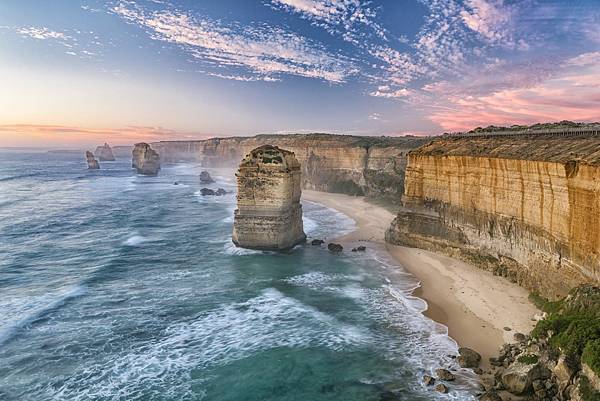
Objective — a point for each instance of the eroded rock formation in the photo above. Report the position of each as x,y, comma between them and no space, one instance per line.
269,213
92,163
145,160
205,178
371,166
527,207
104,153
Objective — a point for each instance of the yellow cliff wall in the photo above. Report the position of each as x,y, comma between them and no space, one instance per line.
535,221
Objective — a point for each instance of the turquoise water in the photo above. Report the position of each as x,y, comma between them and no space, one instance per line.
120,287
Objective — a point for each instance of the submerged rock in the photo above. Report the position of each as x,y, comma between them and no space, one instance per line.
445,374
335,248
145,160
361,248
104,153
92,163
220,192
212,192
441,388
269,213
205,178
428,380
317,242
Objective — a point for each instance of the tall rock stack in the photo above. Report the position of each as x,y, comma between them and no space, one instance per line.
92,163
105,153
269,213
145,160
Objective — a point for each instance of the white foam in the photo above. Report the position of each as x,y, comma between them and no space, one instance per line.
135,240
231,249
21,311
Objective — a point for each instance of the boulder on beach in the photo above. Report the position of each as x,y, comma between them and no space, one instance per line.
104,153
92,163
441,388
518,378
205,178
145,160
490,396
468,358
335,248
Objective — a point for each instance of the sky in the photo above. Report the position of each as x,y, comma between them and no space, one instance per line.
84,72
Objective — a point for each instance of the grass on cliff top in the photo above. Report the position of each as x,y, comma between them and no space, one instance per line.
574,323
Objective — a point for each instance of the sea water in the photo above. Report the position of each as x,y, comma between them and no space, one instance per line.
115,286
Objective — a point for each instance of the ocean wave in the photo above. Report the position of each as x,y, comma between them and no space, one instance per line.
19,176
231,249
135,240
215,338
17,316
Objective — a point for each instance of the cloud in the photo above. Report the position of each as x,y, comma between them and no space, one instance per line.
64,134
572,93
489,18
260,50
386,92
41,33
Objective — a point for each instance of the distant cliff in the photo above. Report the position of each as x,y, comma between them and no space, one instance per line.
526,207
371,166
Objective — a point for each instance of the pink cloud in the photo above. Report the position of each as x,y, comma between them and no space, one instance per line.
60,135
572,93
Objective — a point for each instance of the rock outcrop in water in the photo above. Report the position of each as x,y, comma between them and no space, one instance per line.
145,160
354,165
92,163
269,213
205,178
526,207
104,153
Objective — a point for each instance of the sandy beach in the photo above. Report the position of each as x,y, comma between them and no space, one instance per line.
475,305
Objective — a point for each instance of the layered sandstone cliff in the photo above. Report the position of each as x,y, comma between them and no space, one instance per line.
269,213
145,160
333,163
526,207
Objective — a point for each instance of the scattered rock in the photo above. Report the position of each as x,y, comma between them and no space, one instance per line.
428,380
175,183
335,248
445,374
317,242
468,358
145,160
478,371
361,248
490,396
207,192
220,192
507,328
92,163
518,378
205,178
105,153
520,337
441,388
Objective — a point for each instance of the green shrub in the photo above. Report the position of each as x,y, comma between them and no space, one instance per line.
591,355
544,304
587,392
528,359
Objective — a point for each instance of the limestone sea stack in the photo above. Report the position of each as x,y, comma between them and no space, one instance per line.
269,213
104,153
145,160
92,163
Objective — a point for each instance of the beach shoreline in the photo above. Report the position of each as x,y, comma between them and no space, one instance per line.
476,306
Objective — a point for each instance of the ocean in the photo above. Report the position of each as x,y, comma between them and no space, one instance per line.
115,286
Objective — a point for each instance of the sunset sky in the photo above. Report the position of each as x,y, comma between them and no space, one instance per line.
82,72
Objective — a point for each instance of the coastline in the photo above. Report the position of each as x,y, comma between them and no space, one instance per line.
472,303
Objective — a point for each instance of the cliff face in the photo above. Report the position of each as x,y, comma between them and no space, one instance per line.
269,213
332,163
145,160
527,208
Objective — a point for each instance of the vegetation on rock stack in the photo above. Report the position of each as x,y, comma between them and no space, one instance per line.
573,325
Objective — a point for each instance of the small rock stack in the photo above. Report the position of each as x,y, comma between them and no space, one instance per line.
92,163
104,153
145,160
